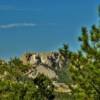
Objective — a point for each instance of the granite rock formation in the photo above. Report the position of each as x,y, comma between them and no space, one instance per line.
44,63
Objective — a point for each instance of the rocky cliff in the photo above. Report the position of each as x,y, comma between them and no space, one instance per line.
45,63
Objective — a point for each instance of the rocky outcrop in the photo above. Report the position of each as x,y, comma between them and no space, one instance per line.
62,87
43,63
33,72
52,60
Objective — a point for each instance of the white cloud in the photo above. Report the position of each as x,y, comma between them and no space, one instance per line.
13,8
6,7
6,26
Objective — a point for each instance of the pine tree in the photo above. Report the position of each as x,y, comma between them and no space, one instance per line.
84,66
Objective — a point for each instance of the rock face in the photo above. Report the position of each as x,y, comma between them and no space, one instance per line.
32,73
44,63
62,87
50,59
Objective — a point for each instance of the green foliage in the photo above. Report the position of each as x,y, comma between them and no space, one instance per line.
63,96
64,51
15,85
45,87
64,76
84,66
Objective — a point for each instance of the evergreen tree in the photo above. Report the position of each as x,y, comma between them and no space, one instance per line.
84,65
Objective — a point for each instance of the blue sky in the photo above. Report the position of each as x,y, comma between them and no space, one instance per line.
43,25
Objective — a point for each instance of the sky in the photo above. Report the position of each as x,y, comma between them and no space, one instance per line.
43,25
